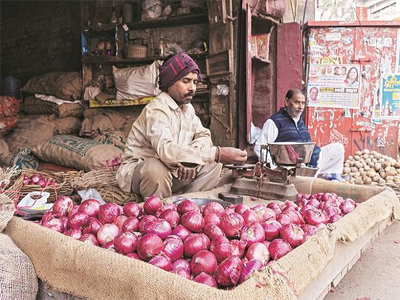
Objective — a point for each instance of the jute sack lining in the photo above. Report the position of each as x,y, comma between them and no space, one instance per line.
94,273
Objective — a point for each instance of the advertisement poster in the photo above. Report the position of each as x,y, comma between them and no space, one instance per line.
333,86
398,52
389,100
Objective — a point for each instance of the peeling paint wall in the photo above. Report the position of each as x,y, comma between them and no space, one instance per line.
374,49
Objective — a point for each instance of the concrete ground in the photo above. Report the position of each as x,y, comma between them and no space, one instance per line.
376,276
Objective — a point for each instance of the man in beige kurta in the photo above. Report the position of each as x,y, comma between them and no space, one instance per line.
168,150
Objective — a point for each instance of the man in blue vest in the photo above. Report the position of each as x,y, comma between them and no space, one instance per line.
288,126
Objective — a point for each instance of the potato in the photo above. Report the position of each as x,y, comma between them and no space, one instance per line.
396,178
397,165
382,174
367,180
346,170
350,157
358,152
358,164
376,178
357,174
354,169
368,160
366,151
371,173
365,156
357,157
390,171
374,160
346,165
359,180
377,167
374,153
381,181
378,156
371,164
367,168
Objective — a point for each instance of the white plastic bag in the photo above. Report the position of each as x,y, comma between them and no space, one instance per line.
91,194
138,82
35,200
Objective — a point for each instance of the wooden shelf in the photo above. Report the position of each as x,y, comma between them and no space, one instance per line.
115,60
170,22
261,59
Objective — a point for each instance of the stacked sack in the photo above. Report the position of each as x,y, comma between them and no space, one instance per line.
9,108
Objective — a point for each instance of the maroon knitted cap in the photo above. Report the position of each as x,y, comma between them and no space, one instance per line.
176,68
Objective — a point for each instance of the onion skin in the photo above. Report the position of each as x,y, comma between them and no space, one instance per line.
161,261
182,232
315,217
238,248
54,224
221,248
62,206
347,206
195,243
107,233
252,233
250,216
203,261
171,216
133,255
74,233
77,220
272,229
186,206
89,238
181,264
143,222
232,224
211,218
108,213
279,248
152,204
159,227
228,272
193,221
292,234
258,251
120,220
125,243
213,231
181,272
249,268
92,225
165,208
205,279
149,246
241,208
90,207
131,224
131,209
213,207
173,248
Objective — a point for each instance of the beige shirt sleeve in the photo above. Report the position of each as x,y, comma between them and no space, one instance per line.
192,144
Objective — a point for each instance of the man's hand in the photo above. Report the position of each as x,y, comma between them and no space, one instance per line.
230,155
186,174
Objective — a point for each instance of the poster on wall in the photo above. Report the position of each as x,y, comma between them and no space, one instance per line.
333,86
389,98
398,52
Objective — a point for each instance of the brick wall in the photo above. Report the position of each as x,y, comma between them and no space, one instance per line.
39,37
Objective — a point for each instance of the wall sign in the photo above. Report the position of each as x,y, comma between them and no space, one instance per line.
389,100
333,86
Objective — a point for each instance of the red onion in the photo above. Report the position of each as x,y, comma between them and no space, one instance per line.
120,220
213,207
27,182
143,222
193,221
266,243
279,248
74,233
313,202
306,207
48,216
205,279
332,211
107,232
252,233
295,216
221,248
90,207
181,272
161,261
272,229
165,208
230,209
131,209
347,206
54,224
249,268
171,216
327,196
232,224
108,213
62,206
237,248
133,255
42,183
212,218
149,246
309,230
181,264
131,224
301,201
241,208
195,243
152,204
89,238
64,221
292,234
109,246
159,227
186,206
335,218
173,248
314,217
283,218
182,232
92,226
250,216
126,243
264,213
258,251
73,210
213,231
275,207
77,220
228,272
203,261
35,178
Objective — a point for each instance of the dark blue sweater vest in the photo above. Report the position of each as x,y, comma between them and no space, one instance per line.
288,132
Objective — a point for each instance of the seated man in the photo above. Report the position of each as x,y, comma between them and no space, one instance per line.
168,150
288,126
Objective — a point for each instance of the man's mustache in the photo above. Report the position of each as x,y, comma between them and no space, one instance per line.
189,94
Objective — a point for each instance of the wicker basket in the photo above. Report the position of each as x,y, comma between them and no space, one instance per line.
136,51
95,179
62,188
115,195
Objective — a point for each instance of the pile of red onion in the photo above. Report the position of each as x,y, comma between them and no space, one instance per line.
37,179
210,245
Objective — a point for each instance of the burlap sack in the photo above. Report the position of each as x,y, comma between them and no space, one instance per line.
99,121
7,124
63,85
24,159
4,153
68,125
31,131
9,106
76,152
17,276
35,106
